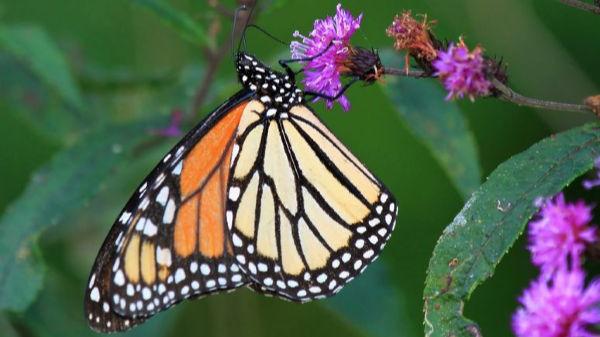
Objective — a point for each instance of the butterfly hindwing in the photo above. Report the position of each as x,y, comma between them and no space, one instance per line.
171,241
306,216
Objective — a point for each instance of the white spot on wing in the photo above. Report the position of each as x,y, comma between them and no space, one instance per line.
163,195
140,224
119,278
144,204
169,212
92,280
374,222
150,229
179,275
125,216
234,193
143,187
229,216
234,152
163,256
146,293
95,294
177,170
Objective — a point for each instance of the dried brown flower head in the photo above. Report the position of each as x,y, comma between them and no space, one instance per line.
362,63
594,103
413,36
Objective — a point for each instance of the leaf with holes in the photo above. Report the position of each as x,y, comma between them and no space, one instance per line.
71,178
438,124
493,218
33,47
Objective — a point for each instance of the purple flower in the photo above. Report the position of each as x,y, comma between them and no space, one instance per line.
330,39
560,234
462,72
561,307
589,184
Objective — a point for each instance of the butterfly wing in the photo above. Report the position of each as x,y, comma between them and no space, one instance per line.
305,215
170,241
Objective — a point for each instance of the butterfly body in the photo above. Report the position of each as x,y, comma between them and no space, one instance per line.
259,194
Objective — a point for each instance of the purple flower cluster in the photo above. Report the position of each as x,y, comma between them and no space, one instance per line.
562,307
328,44
558,304
462,71
559,236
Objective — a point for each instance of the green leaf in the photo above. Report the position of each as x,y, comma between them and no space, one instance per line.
438,124
491,221
71,178
32,46
178,20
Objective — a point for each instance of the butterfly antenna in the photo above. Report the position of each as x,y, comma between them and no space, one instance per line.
273,37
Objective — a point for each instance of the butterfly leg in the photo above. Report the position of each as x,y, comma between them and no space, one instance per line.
292,74
336,96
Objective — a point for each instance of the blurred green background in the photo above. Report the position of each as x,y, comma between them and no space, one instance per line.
129,66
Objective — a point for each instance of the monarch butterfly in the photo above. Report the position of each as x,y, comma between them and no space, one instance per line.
259,194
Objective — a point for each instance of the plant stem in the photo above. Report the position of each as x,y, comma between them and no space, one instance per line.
214,57
505,93
403,72
582,5
510,95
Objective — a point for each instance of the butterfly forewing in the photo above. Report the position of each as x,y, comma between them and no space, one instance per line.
171,241
306,216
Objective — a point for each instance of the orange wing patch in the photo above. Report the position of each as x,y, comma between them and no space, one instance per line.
200,224
186,228
212,228
208,153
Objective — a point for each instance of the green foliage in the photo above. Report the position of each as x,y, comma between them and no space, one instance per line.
426,150
65,185
493,218
32,46
6,327
438,124
44,320
178,20
379,313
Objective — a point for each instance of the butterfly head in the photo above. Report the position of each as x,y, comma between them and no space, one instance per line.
270,85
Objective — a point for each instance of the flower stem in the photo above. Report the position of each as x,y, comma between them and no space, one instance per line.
582,5
404,72
505,93
510,95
